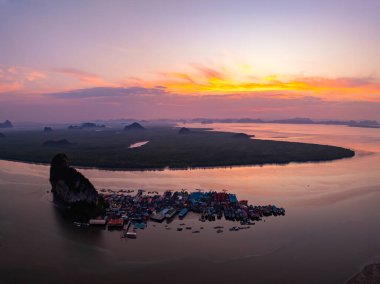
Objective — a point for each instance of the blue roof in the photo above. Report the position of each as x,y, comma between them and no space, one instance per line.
195,196
232,198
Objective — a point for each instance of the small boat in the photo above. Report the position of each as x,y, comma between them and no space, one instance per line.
234,229
171,212
158,217
97,222
183,212
79,224
131,235
116,223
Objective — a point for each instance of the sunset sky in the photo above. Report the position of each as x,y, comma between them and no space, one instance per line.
83,60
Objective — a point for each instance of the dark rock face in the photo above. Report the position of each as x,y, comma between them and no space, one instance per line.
69,186
134,126
6,124
369,274
184,130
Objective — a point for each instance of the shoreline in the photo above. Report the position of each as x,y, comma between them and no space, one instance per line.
116,169
200,149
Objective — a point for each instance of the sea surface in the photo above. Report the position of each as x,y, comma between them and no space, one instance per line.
330,231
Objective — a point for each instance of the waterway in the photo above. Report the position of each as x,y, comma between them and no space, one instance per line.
329,232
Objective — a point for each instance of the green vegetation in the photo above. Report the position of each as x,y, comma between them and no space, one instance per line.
109,148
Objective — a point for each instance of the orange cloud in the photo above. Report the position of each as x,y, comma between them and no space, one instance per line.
17,78
10,87
237,82
206,80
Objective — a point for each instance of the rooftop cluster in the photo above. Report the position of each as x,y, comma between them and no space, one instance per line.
124,210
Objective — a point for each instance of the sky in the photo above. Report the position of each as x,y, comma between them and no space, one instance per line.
63,61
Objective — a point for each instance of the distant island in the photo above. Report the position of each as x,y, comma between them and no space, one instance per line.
6,124
134,126
184,130
166,148
297,120
48,129
86,125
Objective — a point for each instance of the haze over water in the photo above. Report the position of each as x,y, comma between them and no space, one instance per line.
328,233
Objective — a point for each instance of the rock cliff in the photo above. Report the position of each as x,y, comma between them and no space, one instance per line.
70,186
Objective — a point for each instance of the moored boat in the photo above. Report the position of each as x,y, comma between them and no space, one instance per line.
158,216
183,212
171,212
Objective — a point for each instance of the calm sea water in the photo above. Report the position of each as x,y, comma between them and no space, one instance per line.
331,228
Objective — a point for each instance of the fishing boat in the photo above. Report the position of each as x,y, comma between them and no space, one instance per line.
97,222
171,212
116,223
131,235
183,213
158,216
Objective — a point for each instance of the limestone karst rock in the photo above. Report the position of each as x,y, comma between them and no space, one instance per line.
68,185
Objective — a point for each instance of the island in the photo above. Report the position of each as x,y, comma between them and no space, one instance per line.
134,127
6,124
109,149
48,129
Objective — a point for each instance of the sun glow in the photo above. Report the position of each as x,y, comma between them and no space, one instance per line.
221,81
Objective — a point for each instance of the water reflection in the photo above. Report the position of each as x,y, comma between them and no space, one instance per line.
329,231
138,144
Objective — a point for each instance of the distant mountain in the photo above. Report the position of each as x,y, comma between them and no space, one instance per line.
74,127
364,123
57,143
6,124
92,125
134,126
86,125
297,120
48,129
209,121
184,130
249,120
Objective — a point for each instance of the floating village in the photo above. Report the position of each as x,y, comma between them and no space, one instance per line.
128,211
